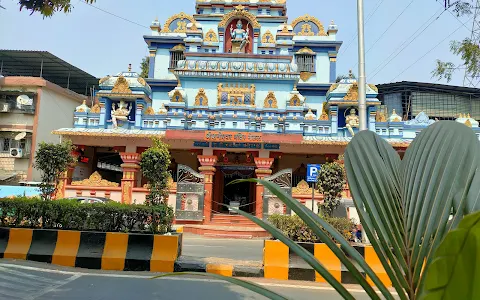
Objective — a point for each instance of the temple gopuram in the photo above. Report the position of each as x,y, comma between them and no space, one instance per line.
237,91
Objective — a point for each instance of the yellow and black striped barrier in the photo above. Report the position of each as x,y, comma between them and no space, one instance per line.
92,250
280,262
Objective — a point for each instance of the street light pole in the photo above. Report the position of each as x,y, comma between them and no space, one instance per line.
362,109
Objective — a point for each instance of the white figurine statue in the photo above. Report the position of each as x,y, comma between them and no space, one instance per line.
352,121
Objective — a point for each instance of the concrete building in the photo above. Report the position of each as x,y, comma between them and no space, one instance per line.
31,107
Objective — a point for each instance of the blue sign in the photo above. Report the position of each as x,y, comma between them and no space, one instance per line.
312,172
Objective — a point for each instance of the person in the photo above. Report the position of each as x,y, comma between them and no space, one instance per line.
239,35
358,233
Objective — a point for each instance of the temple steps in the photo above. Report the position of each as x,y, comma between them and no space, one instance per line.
231,220
228,226
228,232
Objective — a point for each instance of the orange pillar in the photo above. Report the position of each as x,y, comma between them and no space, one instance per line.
130,168
65,179
207,168
263,170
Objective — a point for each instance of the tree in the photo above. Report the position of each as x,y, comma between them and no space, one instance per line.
331,181
48,7
145,66
52,160
467,49
154,164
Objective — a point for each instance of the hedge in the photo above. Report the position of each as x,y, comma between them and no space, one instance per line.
295,229
72,215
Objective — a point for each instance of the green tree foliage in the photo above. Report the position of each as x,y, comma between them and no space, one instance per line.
154,163
331,181
48,7
52,160
145,66
467,49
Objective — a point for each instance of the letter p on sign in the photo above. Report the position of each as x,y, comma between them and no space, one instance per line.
312,172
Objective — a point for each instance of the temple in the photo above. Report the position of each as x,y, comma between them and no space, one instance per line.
237,91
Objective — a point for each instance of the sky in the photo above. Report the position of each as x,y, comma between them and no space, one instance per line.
399,44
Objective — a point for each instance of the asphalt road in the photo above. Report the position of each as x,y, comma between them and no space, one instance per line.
235,249
37,281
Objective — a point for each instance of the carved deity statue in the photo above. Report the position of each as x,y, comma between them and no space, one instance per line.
240,37
352,121
121,113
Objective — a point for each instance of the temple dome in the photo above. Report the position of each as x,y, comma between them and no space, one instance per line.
133,80
467,120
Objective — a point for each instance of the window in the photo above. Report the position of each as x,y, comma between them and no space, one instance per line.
306,62
214,50
206,50
4,144
175,57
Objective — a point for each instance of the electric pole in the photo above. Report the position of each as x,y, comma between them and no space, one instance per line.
362,107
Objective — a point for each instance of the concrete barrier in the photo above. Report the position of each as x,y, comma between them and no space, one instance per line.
282,263
92,250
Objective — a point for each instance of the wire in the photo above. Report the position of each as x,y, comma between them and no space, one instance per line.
386,30
404,45
355,35
433,48
112,14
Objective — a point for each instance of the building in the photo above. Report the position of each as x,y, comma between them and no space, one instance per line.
33,103
237,91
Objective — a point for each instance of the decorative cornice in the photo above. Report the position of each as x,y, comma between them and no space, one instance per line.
201,99
270,101
121,86
181,28
268,38
211,37
95,180
306,31
239,12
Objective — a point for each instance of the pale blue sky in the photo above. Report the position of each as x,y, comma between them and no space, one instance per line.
102,44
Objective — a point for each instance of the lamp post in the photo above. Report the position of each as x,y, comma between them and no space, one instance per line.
362,109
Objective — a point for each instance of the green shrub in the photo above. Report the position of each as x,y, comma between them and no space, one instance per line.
295,229
72,215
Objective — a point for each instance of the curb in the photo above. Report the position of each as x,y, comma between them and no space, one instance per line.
197,265
92,250
280,263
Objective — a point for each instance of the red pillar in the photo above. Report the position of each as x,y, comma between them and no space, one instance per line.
130,168
263,170
207,168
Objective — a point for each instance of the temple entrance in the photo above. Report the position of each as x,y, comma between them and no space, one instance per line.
238,195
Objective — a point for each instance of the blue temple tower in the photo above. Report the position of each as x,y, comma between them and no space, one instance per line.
237,90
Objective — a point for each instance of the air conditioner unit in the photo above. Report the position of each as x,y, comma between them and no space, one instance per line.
16,152
4,107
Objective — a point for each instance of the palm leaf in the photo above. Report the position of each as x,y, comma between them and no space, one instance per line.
245,284
313,221
404,206
304,254
456,264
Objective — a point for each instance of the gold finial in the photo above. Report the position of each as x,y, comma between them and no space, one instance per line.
468,115
468,123
156,19
295,86
332,23
129,67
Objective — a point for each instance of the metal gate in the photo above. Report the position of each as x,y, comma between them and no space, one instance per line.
190,194
271,204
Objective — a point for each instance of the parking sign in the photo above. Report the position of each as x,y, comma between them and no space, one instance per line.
312,172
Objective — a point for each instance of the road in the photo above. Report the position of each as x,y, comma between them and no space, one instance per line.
235,249
37,281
